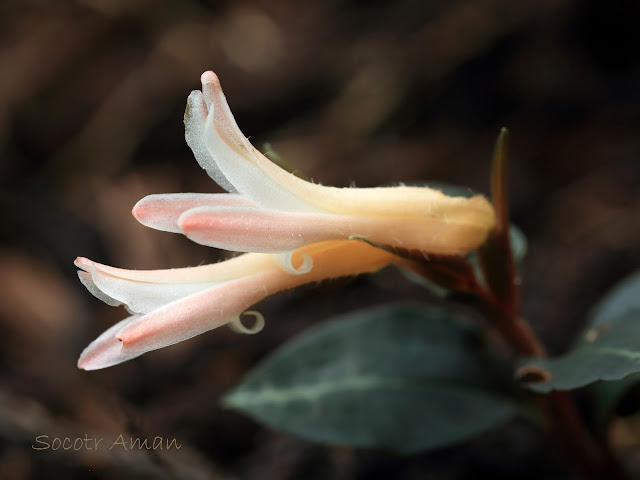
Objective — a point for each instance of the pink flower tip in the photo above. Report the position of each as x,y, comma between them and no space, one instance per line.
83,263
139,210
209,77
190,223
105,355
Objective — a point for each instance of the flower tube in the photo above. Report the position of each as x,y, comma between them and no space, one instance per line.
169,306
271,210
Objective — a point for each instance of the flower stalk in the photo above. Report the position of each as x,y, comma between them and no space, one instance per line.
496,296
589,455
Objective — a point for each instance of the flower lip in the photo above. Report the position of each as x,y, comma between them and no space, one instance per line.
169,312
162,211
106,350
252,229
267,210
192,315
434,222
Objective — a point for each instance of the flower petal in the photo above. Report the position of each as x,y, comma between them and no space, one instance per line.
251,229
144,297
217,272
196,314
271,187
236,157
161,211
247,229
87,281
195,116
106,350
220,304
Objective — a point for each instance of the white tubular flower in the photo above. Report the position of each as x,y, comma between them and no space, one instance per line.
169,306
271,210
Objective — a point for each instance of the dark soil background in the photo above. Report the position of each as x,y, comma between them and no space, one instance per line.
92,94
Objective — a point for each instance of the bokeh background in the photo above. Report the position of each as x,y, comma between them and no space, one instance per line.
92,94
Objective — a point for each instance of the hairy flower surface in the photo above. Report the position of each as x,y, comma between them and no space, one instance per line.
297,232
169,306
271,210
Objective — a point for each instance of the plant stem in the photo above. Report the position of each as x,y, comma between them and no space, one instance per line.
589,456
497,297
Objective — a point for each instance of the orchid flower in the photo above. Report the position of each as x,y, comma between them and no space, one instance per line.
270,210
169,306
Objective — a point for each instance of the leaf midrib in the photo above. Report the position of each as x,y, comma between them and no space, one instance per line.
279,396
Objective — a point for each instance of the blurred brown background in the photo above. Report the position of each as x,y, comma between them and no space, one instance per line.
92,94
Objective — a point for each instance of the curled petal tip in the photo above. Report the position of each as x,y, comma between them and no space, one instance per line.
237,326
286,261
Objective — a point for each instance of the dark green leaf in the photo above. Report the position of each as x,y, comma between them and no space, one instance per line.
614,354
609,348
607,396
624,297
405,377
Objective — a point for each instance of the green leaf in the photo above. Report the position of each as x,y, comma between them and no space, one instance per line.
622,298
625,296
405,377
612,356
607,396
608,349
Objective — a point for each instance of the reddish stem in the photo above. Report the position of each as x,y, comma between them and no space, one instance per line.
590,457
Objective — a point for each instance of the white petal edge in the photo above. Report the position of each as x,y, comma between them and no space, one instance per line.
144,297
235,267
195,116
87,280
234,155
